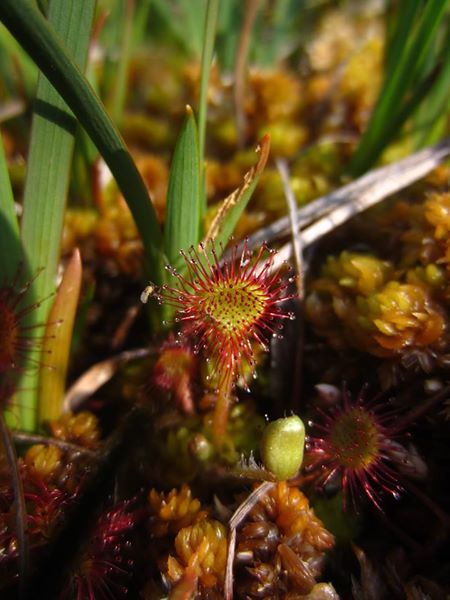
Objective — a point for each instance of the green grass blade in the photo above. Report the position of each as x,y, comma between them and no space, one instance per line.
228,34
193,22
19,73
169,22
10,247
400,33
182,228
121,76
38,39
141,21
209,33
397,86
431,118
48,171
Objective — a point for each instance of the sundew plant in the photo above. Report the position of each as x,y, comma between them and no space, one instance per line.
224,287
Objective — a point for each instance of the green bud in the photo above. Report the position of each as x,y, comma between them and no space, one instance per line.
282,446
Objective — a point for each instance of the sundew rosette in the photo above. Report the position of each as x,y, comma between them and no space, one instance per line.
227,307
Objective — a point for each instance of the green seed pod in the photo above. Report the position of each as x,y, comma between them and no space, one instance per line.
282,446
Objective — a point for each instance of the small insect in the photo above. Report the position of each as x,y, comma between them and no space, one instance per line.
149,291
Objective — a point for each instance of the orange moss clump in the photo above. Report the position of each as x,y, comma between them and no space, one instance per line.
198,556
82,429
173,511
200,549
357,302
400,316
45,461
281,547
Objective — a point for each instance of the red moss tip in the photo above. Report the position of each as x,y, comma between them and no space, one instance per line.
354,444
227,306
106,566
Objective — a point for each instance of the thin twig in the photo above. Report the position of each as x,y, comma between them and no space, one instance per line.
365,191
228,585
32,438
297,245
21,511
295,232
237,518
373,188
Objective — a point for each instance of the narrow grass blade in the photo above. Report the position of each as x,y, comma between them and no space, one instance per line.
141,21
408,71
39,40
10,247
227,34
232,207
48,171
182,227
57,342
432,116
120,85
209,34
19,73
240,68
171,20
276,29
193,21
402,23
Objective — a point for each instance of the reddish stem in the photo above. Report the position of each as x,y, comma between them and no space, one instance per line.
222,407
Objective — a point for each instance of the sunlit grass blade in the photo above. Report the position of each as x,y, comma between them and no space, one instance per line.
408,72
35,35
182,227
10,246
48,171
57,342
